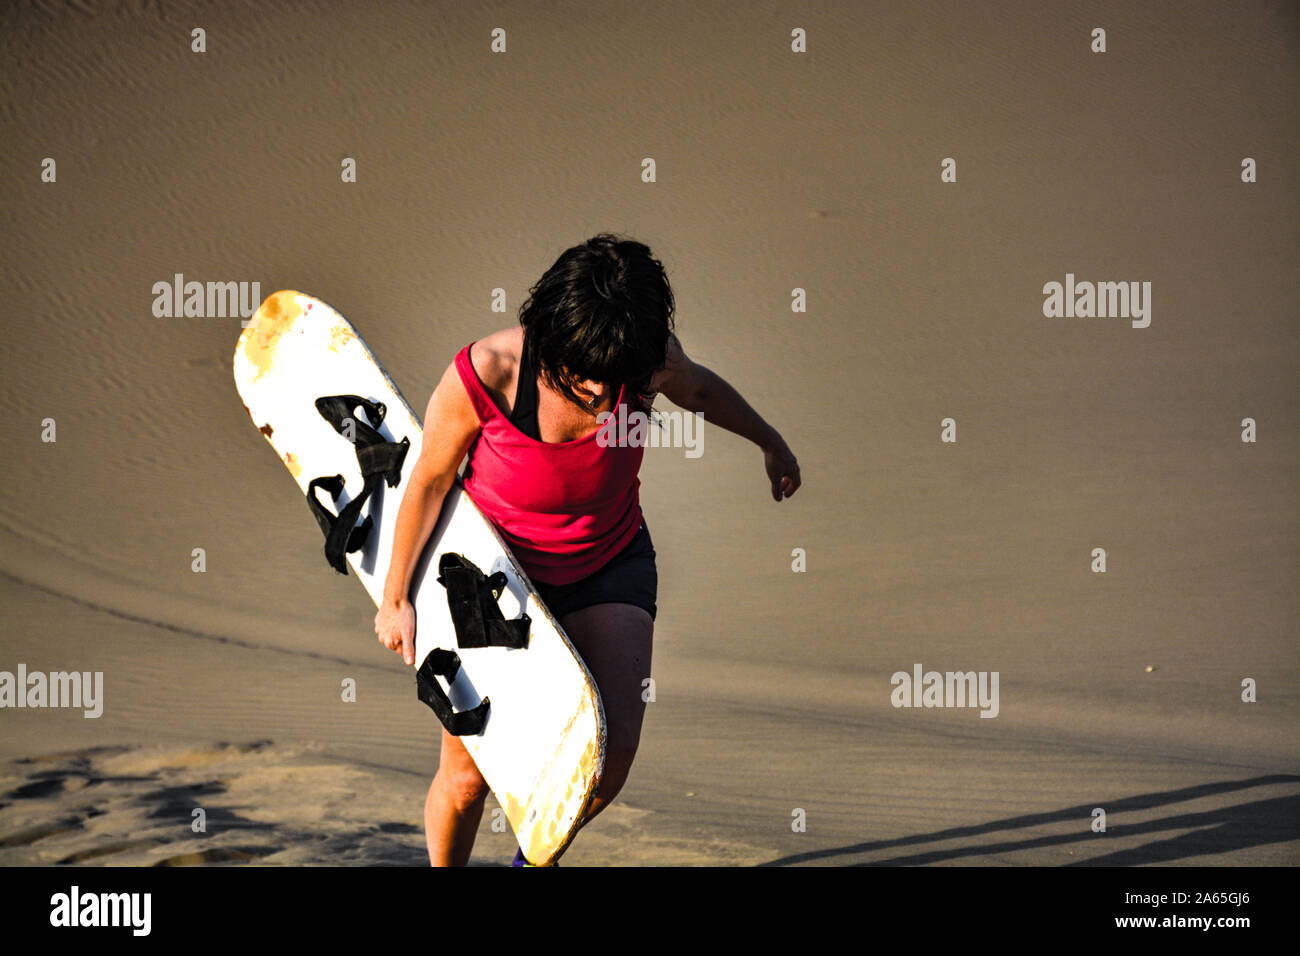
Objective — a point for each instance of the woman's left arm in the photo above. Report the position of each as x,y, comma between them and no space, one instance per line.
699,389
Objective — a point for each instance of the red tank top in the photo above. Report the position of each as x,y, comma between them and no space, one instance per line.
565,508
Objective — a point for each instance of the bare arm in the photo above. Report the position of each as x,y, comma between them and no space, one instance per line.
450,424
700,389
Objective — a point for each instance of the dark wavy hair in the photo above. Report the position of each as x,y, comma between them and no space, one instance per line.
603,312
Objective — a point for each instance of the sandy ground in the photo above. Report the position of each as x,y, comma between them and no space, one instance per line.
1119,691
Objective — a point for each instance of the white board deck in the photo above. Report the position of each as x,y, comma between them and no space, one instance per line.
542,749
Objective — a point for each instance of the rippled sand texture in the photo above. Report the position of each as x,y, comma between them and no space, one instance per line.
775,171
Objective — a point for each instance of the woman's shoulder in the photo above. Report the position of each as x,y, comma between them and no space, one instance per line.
495,358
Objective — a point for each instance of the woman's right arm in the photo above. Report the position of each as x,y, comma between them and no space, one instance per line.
450,424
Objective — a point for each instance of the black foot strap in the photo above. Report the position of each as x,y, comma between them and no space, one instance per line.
472,598
380,461
326,519
446,664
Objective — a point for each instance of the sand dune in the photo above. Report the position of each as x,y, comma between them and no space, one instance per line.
776,171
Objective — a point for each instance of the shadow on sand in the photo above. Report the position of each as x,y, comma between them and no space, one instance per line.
1222,830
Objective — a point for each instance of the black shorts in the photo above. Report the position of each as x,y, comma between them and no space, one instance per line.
630,577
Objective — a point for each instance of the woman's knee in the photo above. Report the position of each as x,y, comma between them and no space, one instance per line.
465,787
458,776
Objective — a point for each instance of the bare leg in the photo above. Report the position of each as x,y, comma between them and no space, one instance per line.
454,805
615,642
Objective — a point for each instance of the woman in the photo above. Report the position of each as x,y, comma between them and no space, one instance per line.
526,404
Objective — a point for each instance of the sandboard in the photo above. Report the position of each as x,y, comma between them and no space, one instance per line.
542,746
